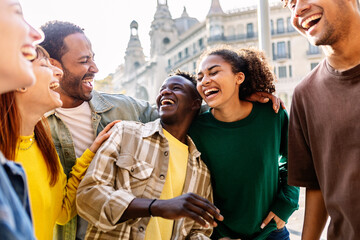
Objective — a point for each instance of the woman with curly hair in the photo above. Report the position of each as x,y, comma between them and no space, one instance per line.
244,145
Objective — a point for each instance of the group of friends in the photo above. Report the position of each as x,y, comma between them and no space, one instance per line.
80,164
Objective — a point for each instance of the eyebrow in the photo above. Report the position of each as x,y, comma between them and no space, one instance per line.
210,68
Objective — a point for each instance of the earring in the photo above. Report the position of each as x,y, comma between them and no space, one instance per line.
22,89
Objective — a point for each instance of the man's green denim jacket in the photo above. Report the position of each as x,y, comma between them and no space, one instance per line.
105,108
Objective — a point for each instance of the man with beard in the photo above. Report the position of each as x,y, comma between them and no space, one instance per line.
151,169
86,112
324,131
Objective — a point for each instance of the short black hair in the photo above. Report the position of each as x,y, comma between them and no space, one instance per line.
188,76
55,33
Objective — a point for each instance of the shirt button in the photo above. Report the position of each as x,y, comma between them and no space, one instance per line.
166,153
132,169
162,176
141,229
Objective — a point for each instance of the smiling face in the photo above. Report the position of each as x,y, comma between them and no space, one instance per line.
323,22
42,94
16,47
216,82
79,70
177,101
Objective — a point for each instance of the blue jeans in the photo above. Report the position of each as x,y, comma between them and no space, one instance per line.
279,234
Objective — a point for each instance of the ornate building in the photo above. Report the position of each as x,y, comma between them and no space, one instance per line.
177,44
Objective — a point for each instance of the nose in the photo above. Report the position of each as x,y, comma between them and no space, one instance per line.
205,80
58,73
93,68
301,7
165,91
36,36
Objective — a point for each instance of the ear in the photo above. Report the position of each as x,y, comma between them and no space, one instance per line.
55,63
240,78
22,90
196,105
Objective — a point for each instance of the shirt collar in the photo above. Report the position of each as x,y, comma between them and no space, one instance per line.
155,127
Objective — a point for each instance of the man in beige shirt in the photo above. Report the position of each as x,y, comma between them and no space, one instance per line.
124,182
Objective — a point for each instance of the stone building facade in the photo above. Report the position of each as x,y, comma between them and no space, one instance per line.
177,44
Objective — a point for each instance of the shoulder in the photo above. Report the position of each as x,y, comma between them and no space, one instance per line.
309,79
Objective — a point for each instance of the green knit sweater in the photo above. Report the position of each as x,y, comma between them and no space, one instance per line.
248,164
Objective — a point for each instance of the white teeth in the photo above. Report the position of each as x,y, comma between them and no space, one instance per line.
306,24
29,52
87,80
209,91
167,101
54,85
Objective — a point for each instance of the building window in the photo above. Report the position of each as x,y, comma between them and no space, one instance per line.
250,30
280,25
272,27
194,67
289,49
290,27
313,65
313,50
273,51
290,71
180,56
169,62
186,52
281,50
282,72
201,44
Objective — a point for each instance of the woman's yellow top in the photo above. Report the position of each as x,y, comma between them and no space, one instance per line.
49,205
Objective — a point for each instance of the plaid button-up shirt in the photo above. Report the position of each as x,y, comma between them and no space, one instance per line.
133,163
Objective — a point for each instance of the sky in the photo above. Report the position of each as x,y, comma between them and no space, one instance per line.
107,22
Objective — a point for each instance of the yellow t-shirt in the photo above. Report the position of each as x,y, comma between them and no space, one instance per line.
49,204
160,228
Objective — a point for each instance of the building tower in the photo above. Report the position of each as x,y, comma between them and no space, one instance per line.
163,30
134,55
214,22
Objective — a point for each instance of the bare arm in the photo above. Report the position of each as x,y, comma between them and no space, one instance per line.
315,215
188,205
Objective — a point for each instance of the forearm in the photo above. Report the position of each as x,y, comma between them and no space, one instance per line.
315,215
138,208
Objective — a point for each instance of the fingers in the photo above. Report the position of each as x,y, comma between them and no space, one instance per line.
108,127
282,104
208,207
279,223
270,216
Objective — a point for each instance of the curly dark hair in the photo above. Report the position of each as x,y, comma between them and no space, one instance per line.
259,76
55,33
188,76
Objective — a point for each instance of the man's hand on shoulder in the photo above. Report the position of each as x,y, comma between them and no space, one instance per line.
264,97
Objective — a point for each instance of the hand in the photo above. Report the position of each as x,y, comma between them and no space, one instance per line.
103,135
264,97
279,223
188,205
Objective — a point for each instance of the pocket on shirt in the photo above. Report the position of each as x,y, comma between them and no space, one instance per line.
135,174
137,169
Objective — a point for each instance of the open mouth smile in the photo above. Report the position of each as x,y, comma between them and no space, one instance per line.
311,21
210,91
166,101
29,52
54,85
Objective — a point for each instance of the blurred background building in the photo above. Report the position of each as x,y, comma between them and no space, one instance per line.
177,43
